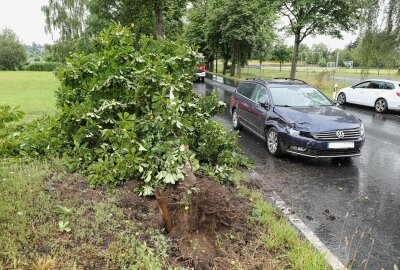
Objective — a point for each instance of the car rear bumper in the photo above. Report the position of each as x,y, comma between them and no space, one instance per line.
201,74
318,148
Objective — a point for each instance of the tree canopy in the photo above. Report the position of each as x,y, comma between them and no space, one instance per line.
79,20
12,52
310,17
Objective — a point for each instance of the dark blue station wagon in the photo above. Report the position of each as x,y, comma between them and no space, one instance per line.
293,117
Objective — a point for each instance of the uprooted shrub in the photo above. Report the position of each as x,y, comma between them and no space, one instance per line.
128,111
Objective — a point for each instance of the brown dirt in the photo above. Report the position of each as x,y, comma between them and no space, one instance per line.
214,232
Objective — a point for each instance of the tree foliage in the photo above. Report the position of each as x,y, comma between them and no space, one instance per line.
79,20
12,52
378,44
127,110
309,17
234,26
67,17
281,53
263,44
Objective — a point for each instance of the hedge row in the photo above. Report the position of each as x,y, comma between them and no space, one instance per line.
42,66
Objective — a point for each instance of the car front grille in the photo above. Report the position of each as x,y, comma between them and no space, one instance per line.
348,134
334,152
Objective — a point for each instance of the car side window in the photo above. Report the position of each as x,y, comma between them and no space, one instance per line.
259,94
389,86
246,89
377,85
362,85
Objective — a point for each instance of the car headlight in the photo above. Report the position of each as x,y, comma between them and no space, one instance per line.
362,129
293,132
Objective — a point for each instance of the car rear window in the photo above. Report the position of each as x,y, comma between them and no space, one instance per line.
298,97
246,89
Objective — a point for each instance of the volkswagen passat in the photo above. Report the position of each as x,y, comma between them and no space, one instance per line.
383,95
295,118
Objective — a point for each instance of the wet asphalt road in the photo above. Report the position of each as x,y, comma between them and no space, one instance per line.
323,192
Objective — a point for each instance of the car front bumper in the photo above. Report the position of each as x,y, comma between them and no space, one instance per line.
319,148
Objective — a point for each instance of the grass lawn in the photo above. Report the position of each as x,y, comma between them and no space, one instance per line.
32,91
312,75
52,219
323,83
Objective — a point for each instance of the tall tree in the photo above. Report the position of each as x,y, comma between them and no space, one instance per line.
12,52
310,17
378,44
281,53
196,31
161,18
67,17
233,25
263,44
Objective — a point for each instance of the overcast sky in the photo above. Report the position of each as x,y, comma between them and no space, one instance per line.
26,19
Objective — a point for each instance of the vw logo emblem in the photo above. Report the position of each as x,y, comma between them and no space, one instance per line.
340,134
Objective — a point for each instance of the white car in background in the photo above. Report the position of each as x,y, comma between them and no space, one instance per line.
383,95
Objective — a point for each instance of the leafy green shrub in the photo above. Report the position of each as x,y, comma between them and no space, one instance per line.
33,139
9,114
323,62
128,111
42,66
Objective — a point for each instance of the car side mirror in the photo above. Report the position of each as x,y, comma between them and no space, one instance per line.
335,103
353,86
265,105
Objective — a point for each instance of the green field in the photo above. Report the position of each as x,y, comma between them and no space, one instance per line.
32,91
319,77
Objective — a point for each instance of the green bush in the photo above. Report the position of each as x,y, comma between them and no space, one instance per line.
9,114
42,66
323,62
128,110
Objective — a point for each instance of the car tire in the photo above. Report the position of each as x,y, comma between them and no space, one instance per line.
381,105
273,142
202,79
235,120
341,99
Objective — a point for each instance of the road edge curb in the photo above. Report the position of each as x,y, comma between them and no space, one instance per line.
332,259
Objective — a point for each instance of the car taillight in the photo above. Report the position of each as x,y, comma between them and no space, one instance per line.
398,94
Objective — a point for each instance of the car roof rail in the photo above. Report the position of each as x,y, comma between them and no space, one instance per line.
289,79
257,79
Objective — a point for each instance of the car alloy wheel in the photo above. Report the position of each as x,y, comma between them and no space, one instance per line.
235,120
273,142
381,105
341,99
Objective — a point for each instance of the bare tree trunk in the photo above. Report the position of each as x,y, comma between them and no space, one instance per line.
159,19
295,55
162,203
225,66
233,66
234,60
239,64
210,62
280,66
216,62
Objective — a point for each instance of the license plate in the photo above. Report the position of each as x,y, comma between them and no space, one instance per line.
340,145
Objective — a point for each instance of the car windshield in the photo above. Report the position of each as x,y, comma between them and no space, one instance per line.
298,97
